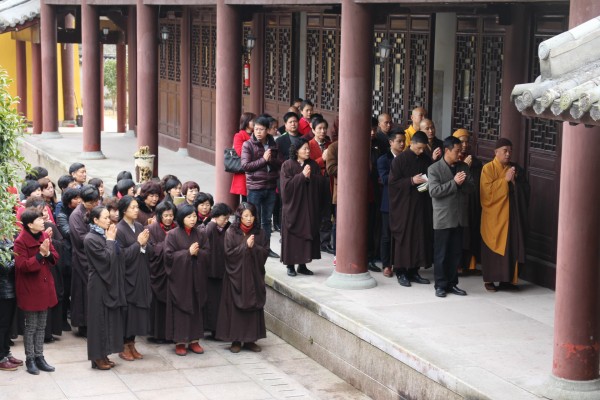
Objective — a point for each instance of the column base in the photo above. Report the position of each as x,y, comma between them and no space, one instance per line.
129,133
183,152
51,135
92,155
565,389
340,280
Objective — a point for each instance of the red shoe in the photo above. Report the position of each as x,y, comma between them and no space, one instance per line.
180,350
196,348
6,365
14,360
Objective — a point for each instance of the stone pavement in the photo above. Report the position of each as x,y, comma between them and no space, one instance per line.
484,345
278,372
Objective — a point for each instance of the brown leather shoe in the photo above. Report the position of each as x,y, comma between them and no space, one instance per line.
126,353
387,272
490,287
252,347
111,363
196,348
134,351
14,360
6,365
100,364
180,349
235,347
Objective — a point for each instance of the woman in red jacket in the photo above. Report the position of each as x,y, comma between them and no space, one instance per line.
238,184
34,256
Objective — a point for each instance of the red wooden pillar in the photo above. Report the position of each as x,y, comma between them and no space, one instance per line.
92,107
185,83
577,310
48,37
132,69
257,87
229,92
513,73
101,83
68,73
36,86
22,77
353,152
121,87
147,74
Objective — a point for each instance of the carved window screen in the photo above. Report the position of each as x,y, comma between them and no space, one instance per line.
322,82
402,81
169,52
278,58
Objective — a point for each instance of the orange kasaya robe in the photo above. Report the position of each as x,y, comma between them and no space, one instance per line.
493,191
409,132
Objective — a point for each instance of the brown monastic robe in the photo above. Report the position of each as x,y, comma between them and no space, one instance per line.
241,314
79,228
411,213
503,222
144,213
54,318
158,280
137,279
186,286
215,272
305,201
472,234
106,296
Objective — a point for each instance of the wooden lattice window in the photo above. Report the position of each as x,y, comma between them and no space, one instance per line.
196,54
403,80
543,133
278,58
170,52
322,75
478,76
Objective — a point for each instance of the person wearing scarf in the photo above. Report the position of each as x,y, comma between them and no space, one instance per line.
106,291
203,204
164,223
241,313
34,257
186,252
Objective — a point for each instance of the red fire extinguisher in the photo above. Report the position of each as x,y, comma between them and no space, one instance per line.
247,74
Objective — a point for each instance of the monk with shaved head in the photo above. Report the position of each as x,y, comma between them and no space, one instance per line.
416,117
435,145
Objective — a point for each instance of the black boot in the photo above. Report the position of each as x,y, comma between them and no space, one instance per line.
291,270
303,270
43,365
31,367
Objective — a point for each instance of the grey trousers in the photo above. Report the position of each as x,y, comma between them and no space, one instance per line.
33,336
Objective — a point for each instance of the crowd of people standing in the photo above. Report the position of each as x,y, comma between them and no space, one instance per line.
162,260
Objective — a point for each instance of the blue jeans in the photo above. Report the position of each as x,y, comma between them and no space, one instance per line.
264,200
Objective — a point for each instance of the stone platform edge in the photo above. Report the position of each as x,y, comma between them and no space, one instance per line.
370,362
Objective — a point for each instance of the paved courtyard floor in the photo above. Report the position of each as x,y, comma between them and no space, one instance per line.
278,372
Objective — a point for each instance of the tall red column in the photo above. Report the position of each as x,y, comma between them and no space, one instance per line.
147,74
229,92
257,87
132,69
121,87
185,83
513,73
91,63
48,37
68,73
21,77
353,151
36,86
101,83
577,310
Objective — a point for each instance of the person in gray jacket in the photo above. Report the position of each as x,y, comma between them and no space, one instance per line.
449,185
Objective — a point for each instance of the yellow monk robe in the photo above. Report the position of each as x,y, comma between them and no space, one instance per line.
495,206
408,133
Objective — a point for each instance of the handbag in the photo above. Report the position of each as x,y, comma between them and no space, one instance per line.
233,162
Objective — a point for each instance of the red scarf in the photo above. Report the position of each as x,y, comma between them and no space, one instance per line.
246,229
188,230
202,217
167,228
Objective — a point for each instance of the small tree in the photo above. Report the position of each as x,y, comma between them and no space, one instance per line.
110,80
12,162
